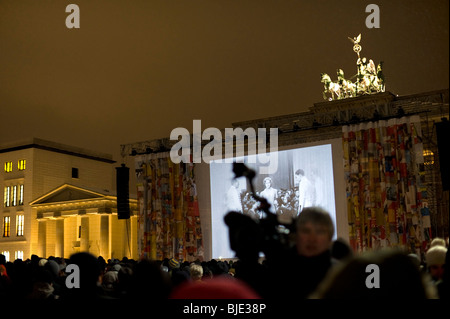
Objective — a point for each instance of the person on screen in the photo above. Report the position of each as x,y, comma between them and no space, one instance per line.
286,211
253,210
247,204
233,197
296,200
305,190
270,193
319,188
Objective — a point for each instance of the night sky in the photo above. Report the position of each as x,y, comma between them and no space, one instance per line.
135,70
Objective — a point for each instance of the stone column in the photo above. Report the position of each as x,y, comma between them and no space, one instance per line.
50,241
59,238
104,237
42,237
133,237
84,240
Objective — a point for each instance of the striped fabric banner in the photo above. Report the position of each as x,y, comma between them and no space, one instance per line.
386,197
169,220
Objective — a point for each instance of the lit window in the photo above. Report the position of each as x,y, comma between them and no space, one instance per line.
19,254
8,167
6,226
20,194
6,254
21,164
14,196
7,196
19,225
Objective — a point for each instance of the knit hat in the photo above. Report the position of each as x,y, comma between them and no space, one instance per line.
436,255
215,288
173,263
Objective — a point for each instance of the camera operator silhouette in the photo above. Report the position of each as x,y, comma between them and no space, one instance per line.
297,254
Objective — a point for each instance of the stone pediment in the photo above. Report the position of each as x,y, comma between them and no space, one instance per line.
67,193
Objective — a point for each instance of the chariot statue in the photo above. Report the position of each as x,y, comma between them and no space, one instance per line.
369,79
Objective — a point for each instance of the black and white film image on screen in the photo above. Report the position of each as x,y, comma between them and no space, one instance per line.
303,178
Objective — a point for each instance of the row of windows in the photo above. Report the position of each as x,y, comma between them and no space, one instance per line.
18,254
13,195
6,227
21,165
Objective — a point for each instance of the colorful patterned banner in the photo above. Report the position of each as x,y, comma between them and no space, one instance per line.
169,220
386,197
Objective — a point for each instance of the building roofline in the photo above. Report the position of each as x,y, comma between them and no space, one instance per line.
56,147
64,186
100,194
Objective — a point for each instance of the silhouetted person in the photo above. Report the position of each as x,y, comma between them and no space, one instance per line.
149,282
5,282
341,250
376,115
246,240
43,285
398,278
89,278
400,112
444,285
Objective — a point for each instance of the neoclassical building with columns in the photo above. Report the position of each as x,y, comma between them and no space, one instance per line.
59,200
73,219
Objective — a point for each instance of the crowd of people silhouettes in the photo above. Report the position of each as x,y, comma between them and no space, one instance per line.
317,267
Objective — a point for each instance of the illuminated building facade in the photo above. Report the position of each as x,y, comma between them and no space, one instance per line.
57,200
323,124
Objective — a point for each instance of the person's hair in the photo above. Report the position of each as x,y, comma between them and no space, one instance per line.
300,172
436,255
438,242
196,271
317,216
267,179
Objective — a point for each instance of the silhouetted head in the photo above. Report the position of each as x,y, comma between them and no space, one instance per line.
385,274
89,270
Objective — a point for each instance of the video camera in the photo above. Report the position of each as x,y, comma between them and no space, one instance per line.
248,236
